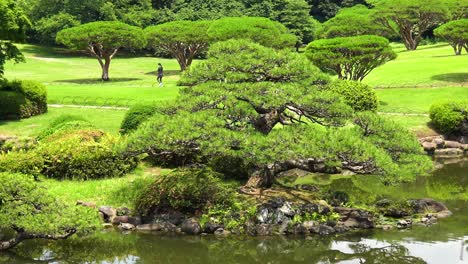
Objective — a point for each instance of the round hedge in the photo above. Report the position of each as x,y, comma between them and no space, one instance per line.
450,117
137,115
22,99
360,96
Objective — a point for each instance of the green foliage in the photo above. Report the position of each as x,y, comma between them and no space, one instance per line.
48,27
295,16
14,25
22,99
110,34
449,117
456,33
26,162
257,29
186,190
352,58
64,123
410,19
140,113
27,209
353,21
361,97
182,39
325,10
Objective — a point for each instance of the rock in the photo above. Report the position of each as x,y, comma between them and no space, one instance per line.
439,143
287,210
210,227
250,228
355,218
220,232
452,144
449,152
126,227
309,224
126,219
263,230
108,212
86,204
425,205
173,217
384,203
323,230
158,227
443,214
404,223
341,229
299,229
191,227
262,215
429,146
107,225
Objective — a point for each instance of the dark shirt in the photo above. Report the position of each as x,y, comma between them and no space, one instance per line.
160,71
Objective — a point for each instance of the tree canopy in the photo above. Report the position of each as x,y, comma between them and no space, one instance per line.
258,29
350,22
410,19
183,39
14,24
352,58
31,213
103,40
456,33
259,111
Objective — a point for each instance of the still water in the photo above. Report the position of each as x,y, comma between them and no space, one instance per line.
442,243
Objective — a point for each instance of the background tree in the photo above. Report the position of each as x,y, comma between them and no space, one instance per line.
260,111
258,29
352,58
183,39
456,33
296,18
323,10
410,18
103,40
353,21
14,24
30,212
48,27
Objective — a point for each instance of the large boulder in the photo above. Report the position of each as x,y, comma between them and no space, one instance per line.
165,227
355,218
427,205
108,212
191,227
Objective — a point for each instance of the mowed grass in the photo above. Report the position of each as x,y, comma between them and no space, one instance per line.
431,65
76,79
107,120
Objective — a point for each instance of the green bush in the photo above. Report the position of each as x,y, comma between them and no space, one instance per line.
83,154
22,99
21,162
361,97
137,115
63,123
185,190
450,117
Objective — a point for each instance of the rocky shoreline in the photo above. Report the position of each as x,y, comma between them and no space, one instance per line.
280,217
444,147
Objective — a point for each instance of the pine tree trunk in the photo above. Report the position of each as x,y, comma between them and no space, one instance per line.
105,69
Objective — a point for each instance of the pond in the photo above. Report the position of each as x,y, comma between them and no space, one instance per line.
443,242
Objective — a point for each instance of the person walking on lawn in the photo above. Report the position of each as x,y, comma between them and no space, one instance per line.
160,74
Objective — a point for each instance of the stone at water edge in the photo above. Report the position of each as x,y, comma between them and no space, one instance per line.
452,144
108,212
191,227
263,230
439,142
449,152
220,232
157,227
126,219
127,227
210,227
429,146
323,230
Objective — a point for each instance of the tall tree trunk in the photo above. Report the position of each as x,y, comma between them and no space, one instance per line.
105,69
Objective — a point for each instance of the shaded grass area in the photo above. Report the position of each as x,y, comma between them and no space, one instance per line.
431,65
107,120
113,192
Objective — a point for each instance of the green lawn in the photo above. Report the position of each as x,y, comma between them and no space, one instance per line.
76,79
432,65
108,120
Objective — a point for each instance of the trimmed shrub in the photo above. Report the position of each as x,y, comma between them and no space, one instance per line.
21,162
64,122
450,117
361,97
185,190
83,154
22,99
137,115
